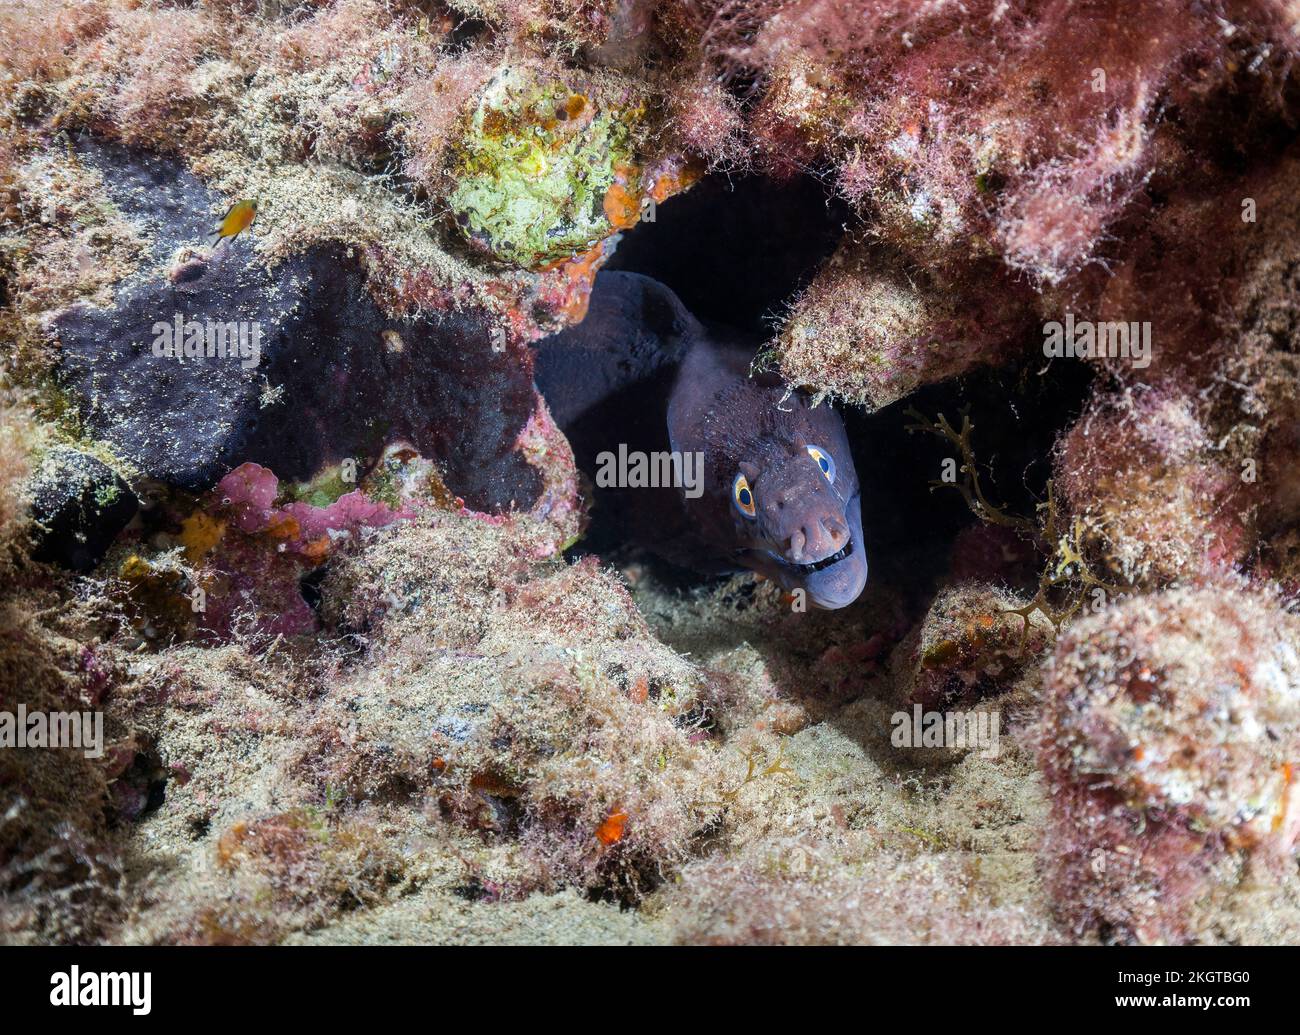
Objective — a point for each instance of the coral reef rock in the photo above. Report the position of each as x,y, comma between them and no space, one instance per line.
1171,727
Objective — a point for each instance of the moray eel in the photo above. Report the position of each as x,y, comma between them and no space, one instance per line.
780,494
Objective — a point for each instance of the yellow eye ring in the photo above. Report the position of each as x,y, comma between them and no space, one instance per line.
824,462
743,496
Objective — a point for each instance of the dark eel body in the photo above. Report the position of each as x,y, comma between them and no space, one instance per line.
780,492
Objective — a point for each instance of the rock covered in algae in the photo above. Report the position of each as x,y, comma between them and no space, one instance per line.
1169,736
881,901
972,643
327,377
1155,496
868,330
79,505
545,169
509,724
294,367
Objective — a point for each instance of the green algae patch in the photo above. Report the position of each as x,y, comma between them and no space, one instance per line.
545,170
326,487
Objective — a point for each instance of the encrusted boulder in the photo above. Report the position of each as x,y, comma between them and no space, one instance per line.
79,505
224,360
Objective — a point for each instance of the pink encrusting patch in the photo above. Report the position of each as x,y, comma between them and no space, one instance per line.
347,514
255,575
546,448
254,590
248,495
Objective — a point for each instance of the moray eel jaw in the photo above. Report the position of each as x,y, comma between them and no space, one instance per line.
837,581
833,577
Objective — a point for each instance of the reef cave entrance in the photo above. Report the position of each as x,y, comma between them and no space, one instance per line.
737,250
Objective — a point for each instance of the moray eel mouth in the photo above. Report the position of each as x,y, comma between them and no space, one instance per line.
833,581
826,562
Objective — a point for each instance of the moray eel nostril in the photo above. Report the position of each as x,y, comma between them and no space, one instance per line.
779,491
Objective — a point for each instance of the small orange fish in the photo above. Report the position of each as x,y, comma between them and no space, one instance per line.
238,219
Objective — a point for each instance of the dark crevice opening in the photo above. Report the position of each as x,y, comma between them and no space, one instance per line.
1017,412
737,251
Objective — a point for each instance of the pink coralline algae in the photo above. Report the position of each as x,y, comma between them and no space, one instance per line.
1156,496
253,574
250,490
1024,128
992,147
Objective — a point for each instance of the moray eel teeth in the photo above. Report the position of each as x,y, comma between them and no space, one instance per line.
809,568
826,562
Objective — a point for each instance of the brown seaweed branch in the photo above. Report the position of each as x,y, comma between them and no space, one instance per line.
753,759
970,488
1065,565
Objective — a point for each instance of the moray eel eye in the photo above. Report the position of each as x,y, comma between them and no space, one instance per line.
743,496
824,462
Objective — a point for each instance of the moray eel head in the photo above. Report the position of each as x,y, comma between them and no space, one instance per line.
798,514
780,492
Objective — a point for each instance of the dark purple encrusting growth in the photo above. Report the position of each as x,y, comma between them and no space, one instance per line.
330,377
154,191
641,374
